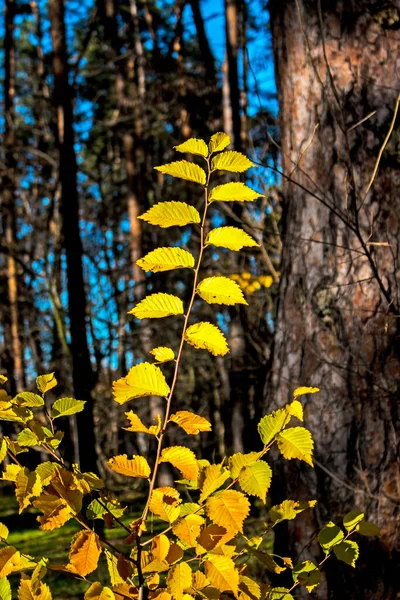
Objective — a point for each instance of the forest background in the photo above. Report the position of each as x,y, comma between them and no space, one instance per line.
94,95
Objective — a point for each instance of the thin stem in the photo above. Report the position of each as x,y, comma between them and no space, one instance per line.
175,376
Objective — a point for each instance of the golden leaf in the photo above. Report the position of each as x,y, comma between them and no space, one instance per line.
193,146
234,191
163,354
190,422
179,579
255,479
27,486
228,509
56,511
157,306
233,161
144,379
220,290
187,529
98,592
161,505
166,259
85,552
182,459
9,558
219,141
300,391
183,169
137,426
206,336
222,574
26,591
214,477
46,382
168,214
231,238
238,461
296,442
160,547
137,466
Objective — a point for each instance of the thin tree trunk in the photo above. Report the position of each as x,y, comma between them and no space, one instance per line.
232,49
9,195
338,316
81,364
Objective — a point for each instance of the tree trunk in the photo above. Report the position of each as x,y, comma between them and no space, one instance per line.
8,186
82,374
338,320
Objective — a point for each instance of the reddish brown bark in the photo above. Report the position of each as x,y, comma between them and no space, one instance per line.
338,317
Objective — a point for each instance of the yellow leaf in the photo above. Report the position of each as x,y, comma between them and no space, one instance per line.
9,558
300,391
206,336
295,409
183,169
3,379
199,580
3,449
26,591
222,574
46,382
168,214
65,407
255,479
296,442
182,459
179,579
84,552
163,505
157,306
3,531
56,511
238,461
11,471
188,529
234,191
288,510
144,379
137,466
236,162
232,238
249,588
219,141
27,486
193,146
163,354
213,537
5,589
190,422
220,290
228,509
98,592
166,259
266,280
112,566
273,424
160,547
137,426
214,477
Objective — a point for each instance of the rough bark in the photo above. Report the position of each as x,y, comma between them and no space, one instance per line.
338,316
82,374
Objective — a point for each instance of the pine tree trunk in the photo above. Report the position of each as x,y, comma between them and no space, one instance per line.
77,306
338,316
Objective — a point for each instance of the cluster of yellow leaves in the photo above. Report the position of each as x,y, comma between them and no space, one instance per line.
249,283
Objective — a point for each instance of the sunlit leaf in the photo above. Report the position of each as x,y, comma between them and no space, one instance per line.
190,422
255,479
157,306
3,532
46,382
99,592
228,509
29,399
222,574
296,442
308,574
56,511
28,485
144,379
27,592
272,424
5,589
137,426
300,391
214,477
182,459
183,169
137,466
64,407
163,506
352,519
288,510
234,191
219,141
166,259
220,290
250,590
279,593
193,146
9,558
85,552
187,529
231,238
168,214
238,461
347,551
233,161
330,536
206,336
163,354
295,409
179,579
